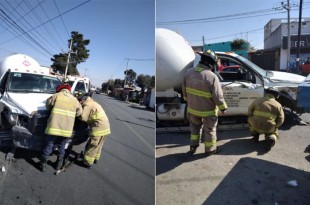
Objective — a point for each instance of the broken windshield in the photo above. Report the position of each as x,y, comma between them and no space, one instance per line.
32,83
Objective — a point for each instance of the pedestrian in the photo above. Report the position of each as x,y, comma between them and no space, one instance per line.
203,92
99,125
64,107
265,116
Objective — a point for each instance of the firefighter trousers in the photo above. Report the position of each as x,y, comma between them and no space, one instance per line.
93,149
272,132
208,124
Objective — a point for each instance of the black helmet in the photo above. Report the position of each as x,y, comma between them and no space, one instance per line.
208,57
81,95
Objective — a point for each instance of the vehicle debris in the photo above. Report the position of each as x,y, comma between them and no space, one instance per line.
292,183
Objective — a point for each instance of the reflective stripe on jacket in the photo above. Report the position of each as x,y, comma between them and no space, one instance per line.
95,117
266,114
64,108
203,92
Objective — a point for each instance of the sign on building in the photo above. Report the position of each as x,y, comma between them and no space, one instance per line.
304,41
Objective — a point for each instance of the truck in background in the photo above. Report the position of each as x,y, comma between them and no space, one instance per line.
151,100
24,89
79,84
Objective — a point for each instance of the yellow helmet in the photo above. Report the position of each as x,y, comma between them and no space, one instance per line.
209,56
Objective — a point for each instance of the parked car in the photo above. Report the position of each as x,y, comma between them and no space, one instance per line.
305,68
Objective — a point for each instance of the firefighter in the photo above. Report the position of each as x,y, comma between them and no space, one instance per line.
203,92
98,122
64,108
265,116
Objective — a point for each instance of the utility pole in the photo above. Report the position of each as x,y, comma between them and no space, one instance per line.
126,71
299,32
68,60
288,8
203,43
85,69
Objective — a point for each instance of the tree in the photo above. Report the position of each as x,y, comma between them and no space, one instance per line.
118,83
80,55
143,81
239,44
130,76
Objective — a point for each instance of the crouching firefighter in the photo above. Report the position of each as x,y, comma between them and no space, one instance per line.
99,125
64,107
265,116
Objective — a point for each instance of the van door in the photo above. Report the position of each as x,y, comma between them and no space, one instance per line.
239,95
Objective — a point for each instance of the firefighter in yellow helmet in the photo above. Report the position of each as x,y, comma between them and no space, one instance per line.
203,92
265,116
64,108
98,122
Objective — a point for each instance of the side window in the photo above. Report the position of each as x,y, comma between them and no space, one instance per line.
80,86
231,70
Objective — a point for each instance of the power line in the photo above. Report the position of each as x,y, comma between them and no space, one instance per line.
250,14
53,26
13,23
44,41
26,32
61,18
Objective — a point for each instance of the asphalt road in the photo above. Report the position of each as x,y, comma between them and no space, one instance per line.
242,173
124,175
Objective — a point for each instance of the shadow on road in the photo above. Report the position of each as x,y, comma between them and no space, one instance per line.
256,181
171,140
307,150
233,147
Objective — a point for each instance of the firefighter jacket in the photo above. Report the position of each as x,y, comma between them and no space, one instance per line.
203,92
266,114
96,118
64,108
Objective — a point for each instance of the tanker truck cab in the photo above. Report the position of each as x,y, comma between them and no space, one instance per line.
24,88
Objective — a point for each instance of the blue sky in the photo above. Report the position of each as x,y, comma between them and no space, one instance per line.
117,29
244,18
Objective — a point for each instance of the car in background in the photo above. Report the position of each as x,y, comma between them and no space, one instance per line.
305,68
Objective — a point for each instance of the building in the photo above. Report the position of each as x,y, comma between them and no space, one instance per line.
274,56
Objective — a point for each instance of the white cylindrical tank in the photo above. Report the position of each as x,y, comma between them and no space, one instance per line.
173,57
19,63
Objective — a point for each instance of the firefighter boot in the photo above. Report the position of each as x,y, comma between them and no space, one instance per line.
217,150
270,142
42,165
255,138
192,149
59,162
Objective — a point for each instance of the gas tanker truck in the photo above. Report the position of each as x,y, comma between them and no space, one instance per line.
242,81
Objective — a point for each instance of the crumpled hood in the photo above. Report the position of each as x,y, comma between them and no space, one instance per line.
286,77
29,102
